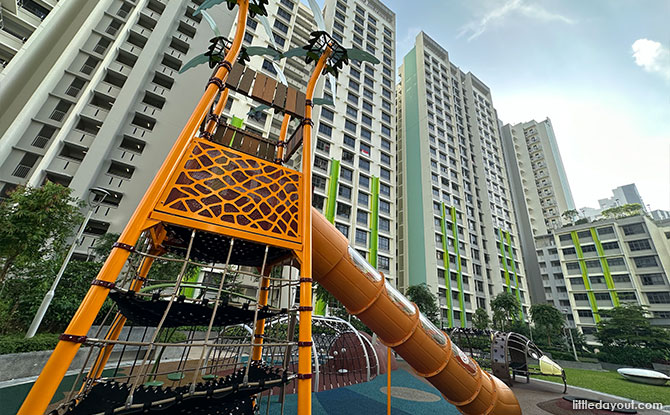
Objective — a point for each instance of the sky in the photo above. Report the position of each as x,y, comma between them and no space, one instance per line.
599,69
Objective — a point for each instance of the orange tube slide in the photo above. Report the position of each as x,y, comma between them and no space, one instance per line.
398,323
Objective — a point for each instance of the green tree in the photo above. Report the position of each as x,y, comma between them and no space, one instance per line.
35,224
481,319
505,309
548,319
628,337
629,209
570,215
425,300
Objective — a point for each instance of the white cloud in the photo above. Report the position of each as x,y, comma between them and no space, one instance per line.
652,56
476,27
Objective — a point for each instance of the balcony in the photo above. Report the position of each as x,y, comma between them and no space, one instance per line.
95,113
64,166
80,138
110,90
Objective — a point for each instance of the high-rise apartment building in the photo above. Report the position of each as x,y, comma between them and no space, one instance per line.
456,227
106,110
18,20
354,139
541,193
616,261
622,195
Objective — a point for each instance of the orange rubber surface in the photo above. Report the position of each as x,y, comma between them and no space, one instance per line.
398,323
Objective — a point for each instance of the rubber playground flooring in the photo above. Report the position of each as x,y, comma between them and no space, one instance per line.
410,396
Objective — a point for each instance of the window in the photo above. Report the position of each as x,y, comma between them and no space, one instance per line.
616,262
281,26
645,261
321,163
384,224
364,164
384,243
317,201
569,251
322,145
656,278
349,141
384,206
659,298
633,229
366,120
361,217
383,263
385,173
585,313
352,112
319,182
581,297
565,237
584,234
344,229
386,144
361,237
347,156
627,296
287,3
605,231
366,134
352,98
363,199
346,174
354,85
621,278
384,189
588,248
639,245
602,296
327,114
325,129
610,245
350,126
267,65
365,149
386,130
343,210
572,266
344,192
385,159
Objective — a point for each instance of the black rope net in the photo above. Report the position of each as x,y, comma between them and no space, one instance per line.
180,340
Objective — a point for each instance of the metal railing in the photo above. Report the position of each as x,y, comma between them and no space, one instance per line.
21,171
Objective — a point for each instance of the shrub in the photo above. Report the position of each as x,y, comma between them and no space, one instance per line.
631,355
17,344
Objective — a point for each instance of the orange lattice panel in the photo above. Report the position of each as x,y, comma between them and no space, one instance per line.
221,190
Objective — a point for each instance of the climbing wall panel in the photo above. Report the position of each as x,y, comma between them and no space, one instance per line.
221,190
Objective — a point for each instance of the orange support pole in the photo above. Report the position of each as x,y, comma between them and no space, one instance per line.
259,330
282,137
53,372
388,380
305,329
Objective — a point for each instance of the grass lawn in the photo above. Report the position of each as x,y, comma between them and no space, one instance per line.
614,384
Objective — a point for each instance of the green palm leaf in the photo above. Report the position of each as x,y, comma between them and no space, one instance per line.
323,101
259,50
361,55
206,5
291,53
197,60
212,23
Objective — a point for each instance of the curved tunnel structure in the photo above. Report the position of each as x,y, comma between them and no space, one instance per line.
400,325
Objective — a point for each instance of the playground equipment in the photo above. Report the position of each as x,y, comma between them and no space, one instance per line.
507,354
221,209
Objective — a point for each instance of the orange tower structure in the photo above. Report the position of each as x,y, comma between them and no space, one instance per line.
223,194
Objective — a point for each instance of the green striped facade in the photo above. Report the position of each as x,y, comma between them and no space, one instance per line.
454,232
606,269
516,276
374,221
585,276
